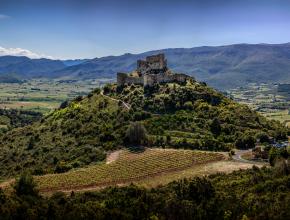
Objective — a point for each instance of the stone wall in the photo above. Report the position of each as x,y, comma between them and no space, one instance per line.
157,61
152,63
142,66
180,77
151,79
151,71
123,78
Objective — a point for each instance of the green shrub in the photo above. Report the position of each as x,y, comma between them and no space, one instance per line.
25,185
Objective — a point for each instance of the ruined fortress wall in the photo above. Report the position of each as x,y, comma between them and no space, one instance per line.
142,66
157,61
123,78
151,79
180,77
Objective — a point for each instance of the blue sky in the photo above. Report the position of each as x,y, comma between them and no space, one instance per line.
94,28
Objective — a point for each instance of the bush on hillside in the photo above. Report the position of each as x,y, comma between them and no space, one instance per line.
136,133
25,185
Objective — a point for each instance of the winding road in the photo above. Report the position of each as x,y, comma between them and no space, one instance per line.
238,157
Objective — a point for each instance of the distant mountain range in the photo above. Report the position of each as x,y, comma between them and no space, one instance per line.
222,67
25,67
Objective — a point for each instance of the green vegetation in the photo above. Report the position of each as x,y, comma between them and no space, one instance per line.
136,134
250,194
194,116
12,118
71,137
191,116
128,167
277,154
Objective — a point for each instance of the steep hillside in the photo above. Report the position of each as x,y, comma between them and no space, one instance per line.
191,116
222,67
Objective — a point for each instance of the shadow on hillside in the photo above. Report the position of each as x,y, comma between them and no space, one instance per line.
135,149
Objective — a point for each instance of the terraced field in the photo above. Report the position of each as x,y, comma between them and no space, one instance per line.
127,168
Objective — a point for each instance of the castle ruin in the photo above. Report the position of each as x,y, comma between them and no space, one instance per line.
150,71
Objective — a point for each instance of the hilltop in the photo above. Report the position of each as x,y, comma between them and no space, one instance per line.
186,115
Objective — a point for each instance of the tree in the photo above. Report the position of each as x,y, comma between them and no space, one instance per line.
215,127
281,168
263,137
31,144
25,185
273,156
136,133
245,142
168,139
64,105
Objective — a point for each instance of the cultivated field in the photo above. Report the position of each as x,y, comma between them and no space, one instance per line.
265,99
282,116
43,95
128,167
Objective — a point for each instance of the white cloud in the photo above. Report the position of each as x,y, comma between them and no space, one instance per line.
21,52
4,16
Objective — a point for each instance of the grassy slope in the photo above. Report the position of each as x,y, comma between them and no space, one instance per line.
81,133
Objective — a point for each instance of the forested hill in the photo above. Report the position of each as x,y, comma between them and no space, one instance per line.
189,115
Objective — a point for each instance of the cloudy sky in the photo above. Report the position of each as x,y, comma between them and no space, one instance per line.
94,28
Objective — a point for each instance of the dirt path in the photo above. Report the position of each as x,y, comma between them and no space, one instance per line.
7,183
238,157
113,156
126,105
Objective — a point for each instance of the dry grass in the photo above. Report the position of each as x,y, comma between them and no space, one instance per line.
224,166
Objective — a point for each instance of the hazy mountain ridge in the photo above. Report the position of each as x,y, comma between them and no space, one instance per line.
222,66
28,68
238,64
74,62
